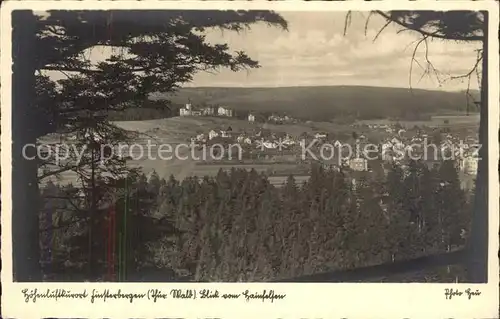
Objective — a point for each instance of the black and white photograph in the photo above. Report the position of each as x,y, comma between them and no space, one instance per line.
250,145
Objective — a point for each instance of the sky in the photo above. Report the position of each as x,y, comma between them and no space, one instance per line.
314,51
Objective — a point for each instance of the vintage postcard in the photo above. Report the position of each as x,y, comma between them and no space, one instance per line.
277,159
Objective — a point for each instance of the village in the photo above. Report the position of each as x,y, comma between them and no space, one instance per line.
369,148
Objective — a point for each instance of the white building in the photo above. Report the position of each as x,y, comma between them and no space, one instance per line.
222,111
395,141
186,111
271,145
386,147
244,139
200,137
251,118
320,135
288,141
212,134
354,183
469,165
209,110
358,164
94,136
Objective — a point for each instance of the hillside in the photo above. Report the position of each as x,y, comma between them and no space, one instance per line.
329,102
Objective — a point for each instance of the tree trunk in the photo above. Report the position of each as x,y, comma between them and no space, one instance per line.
25,192
93,263
477,263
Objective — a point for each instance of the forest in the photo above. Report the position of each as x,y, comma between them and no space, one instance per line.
238,227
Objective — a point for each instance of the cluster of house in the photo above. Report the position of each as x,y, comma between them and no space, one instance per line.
385,127
203,138
188,110
469,165
263,140
397,149
259,138
391,149
276,118
464,152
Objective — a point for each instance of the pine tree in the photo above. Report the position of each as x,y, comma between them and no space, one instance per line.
428,220
113,85
452,202
154,183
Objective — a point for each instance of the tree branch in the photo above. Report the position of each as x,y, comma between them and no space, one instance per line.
67,168
64,225
65,198
381,30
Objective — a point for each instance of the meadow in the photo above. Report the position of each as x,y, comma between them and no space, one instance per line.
471,120
177,130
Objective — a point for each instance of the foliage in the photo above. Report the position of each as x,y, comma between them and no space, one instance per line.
236,226
470,27
160,52
153,51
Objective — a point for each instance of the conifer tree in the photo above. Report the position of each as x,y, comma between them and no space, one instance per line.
56,43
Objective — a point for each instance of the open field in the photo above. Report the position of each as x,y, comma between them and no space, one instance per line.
205,124
170,131
437,120
173,131
180,169
279,181
211,170
177,130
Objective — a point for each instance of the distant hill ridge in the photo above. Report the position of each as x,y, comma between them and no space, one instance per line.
327,102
